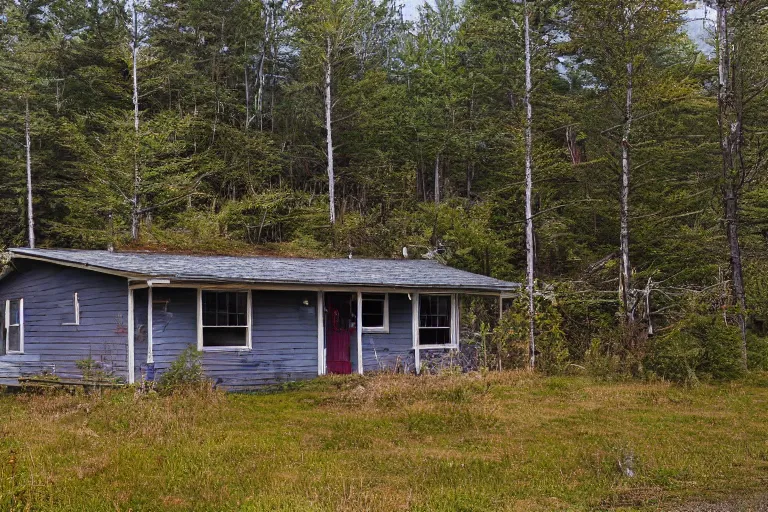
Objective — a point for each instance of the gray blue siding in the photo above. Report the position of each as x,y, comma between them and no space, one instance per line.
392,350
284,338
50,346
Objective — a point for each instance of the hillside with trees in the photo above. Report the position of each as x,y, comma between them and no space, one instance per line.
590,150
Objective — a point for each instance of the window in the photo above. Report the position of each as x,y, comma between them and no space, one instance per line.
225,320
435,320
375,312
75,311
14,326
2,328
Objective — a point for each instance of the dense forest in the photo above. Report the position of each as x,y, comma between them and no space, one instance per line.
338,127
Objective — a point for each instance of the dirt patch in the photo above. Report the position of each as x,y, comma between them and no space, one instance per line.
757,504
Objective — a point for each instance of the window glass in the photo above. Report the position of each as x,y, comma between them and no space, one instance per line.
374,310
73,317
225,319
2,327
14,312
434,320
14,338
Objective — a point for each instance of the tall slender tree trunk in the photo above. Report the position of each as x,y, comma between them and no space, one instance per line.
262,60
625,267
329,130
247,88
730,126
529,242
136,175
28,147
437,178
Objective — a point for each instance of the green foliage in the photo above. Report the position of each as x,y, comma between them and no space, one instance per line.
185,373
428,127
509,341
697,348
93,370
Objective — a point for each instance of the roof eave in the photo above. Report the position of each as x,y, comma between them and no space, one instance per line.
85,266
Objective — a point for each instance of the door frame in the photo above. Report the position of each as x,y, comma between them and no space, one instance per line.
322,348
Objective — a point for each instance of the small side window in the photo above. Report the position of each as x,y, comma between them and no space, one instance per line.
74,314
2,328
14,326
375,312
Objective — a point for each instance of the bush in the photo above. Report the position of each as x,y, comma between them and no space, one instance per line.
186,372
757,352
510,338
697,348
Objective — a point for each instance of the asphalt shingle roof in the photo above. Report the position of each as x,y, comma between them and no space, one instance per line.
263,269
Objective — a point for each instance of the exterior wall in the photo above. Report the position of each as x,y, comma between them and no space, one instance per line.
393,350
284,338
51,347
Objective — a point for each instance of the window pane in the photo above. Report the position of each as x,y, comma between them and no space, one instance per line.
435,311
14,311
224,337
14,339
373,310
434,336
225,309
373,320
2,327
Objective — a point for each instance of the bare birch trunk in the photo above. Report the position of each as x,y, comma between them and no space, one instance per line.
28,147
247,88
437,178
262,60
625,267
729,120
136,175
329,130
529,242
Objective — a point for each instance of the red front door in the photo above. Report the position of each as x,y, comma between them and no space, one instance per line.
338,332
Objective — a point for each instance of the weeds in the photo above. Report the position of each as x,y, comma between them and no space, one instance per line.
479,441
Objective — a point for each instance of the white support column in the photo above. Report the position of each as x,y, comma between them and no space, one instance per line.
415,330
456,319
200,319
320,333
131,373
360,333
150,354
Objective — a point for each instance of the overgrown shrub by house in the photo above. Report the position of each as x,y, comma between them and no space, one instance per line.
698,348
186,372
509,341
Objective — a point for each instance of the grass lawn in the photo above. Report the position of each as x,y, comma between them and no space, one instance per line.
505,441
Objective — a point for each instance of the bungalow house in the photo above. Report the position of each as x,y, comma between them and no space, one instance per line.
257,320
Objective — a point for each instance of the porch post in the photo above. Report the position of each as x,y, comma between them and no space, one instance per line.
360,333
415,330
320,333
150,354
131,375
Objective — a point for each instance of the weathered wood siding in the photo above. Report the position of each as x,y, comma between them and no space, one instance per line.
284,338
49,346
392,350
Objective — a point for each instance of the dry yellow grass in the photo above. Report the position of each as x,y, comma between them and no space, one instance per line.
501,441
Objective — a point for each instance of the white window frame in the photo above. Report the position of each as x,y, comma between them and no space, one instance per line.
385,326
454,323
7,326
76,305
248,326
